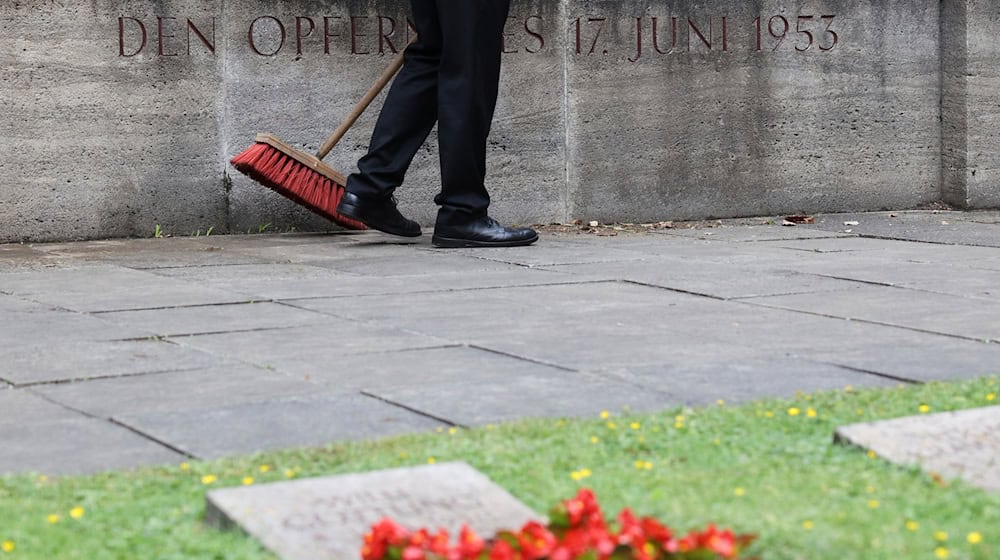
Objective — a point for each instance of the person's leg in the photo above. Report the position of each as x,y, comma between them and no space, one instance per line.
472,41
409,112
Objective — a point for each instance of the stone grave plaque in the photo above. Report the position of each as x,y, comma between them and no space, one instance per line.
964,444
327,518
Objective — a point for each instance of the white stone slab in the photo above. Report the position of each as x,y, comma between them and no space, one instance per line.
327,518
963,444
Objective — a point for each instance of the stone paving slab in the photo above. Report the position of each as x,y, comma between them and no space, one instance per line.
937,313
41,436
147,253
956,279
29,324
308,350
201,389
705,383
326,518
922,359
179,321
18,407
412,263
109,288
491,388
712,278
297,281
74,361
929,227
964,444
561,253
277,424
81,446
752,233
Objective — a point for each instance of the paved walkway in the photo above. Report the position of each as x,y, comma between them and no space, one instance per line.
120,353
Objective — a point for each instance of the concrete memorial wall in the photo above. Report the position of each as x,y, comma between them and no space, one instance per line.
122,114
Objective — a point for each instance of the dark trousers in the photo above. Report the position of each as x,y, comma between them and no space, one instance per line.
450,77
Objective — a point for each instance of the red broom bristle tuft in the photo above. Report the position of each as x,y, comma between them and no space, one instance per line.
285,175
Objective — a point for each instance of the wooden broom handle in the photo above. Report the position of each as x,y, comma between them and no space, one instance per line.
376,89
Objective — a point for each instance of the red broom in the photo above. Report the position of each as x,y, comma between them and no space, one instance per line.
301,176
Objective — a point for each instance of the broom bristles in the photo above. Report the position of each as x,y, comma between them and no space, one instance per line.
294,180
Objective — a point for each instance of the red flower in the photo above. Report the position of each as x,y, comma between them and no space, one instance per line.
536,541
469,543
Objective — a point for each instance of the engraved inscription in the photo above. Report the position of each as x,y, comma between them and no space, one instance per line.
592,35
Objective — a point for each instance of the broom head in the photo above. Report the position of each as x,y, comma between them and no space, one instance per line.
299,176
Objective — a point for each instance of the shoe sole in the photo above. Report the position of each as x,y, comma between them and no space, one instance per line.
352,212
456,243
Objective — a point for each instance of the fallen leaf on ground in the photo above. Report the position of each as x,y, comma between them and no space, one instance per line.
801,219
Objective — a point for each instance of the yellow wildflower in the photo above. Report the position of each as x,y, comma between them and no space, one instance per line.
185,467
924,409
612,426
769,414
265,468
248,481
794,411
7,546
53,518
808,525
289,473
872,454
452,430
431,460
720,402
605,415
594,439
991,397
811,413
77,512
873,504
739,492
912,525
940,536
635,426
209,479
974,537
941,552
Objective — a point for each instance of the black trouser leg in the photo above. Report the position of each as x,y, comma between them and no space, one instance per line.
472,41
451,76
409,112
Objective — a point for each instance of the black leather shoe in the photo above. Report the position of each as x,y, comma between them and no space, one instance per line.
481,232
378,213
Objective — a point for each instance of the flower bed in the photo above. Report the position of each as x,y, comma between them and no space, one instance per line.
577,531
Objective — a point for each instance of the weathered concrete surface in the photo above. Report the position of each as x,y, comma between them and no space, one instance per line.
964,444
100,145
118,362
327,518
122,116
715,127
970,103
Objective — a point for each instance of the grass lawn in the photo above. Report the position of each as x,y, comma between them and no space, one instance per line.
767,468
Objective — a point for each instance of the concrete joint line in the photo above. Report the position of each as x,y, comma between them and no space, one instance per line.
101,377
869,322
153,439
522,358
114,422
192,306
413,410
873,372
